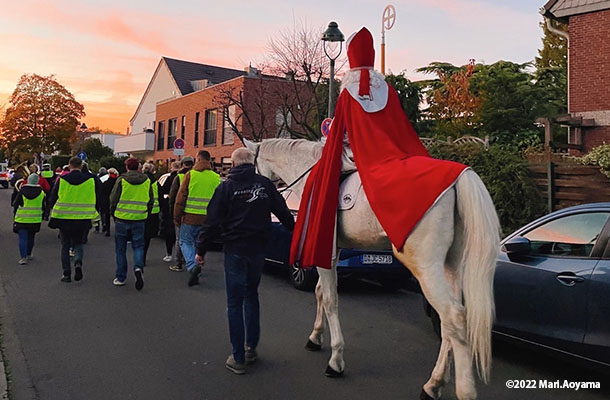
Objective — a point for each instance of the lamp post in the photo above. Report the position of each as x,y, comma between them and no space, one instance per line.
83,130
332,34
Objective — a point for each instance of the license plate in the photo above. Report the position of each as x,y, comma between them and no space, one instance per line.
376,259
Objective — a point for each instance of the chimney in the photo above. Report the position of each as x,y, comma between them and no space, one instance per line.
252,71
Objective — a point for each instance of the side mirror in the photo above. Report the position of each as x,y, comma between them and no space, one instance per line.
516,246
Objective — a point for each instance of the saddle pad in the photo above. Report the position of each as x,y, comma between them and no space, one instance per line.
349,191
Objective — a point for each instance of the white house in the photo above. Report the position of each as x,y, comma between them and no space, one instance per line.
172,79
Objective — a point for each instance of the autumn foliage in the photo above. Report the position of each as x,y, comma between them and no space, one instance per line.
42,117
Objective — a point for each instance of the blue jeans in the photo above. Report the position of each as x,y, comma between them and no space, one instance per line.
242,276
188,243
122,231
71,238
26,242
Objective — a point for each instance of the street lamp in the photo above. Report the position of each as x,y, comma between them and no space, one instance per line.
83,131
332,34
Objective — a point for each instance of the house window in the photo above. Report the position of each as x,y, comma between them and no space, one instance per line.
282,122
171,133
209,134
183,127
228,136
160,135
196,129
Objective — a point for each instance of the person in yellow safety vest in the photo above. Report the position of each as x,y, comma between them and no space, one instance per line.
185,166
48,174
28,207
190,210
131,201
152,222
74,202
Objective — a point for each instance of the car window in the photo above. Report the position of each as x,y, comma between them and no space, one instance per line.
570,236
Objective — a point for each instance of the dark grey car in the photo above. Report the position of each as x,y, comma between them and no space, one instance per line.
552,282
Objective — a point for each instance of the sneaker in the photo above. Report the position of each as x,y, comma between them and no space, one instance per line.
107,233
194,279
234,366
251,355
78,272
23,261
66,278
117,282
139,280
30,257
168,258
71,253
176,268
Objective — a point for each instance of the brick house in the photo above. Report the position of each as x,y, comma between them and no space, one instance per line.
588,68
202,118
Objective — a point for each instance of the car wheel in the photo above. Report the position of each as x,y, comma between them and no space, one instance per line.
303,279
4,184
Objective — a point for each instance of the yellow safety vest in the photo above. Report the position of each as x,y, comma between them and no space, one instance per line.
155,208
180,178
75,201
47,174
133,202
202,185
31,210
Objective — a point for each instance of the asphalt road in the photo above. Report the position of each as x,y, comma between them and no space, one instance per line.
91,340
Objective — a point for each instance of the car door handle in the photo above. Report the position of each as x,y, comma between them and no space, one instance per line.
569,279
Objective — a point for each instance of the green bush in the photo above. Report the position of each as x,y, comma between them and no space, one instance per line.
599,156
506,176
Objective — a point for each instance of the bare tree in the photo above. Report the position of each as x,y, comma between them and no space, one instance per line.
290,96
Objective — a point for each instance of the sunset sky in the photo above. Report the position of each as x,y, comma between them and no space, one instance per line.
105,52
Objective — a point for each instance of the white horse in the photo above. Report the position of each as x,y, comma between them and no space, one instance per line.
452,253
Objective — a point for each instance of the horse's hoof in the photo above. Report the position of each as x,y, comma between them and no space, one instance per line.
311,346
425,396
331,373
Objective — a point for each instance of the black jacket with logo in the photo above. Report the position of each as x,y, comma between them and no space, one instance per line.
241,210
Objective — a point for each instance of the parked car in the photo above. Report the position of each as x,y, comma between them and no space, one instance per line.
381,266
552,283
4,175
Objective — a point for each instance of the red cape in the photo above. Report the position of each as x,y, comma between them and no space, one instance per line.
400,179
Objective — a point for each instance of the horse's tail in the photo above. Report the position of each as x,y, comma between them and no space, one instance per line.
481,243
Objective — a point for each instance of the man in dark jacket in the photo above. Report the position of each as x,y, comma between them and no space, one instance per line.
73,203
167,220
152,222
241,209
131,201
108,182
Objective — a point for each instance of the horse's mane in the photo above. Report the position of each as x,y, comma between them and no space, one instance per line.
291,145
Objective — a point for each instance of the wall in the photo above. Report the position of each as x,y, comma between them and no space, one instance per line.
162,87
254,89
589,84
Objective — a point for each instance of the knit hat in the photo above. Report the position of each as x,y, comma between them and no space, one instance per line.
33,179
132,164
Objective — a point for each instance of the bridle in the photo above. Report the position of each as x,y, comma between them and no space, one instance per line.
258,149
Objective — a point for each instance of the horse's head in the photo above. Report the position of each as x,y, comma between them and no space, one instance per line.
262,164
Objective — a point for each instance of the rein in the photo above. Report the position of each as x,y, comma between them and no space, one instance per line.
258,149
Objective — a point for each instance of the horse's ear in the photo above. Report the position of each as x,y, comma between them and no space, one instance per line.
250,145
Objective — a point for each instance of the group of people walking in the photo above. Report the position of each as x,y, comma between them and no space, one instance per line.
195,208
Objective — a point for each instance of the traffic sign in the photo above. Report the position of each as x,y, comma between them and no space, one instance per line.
82,155
179,143
178,152
325,128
